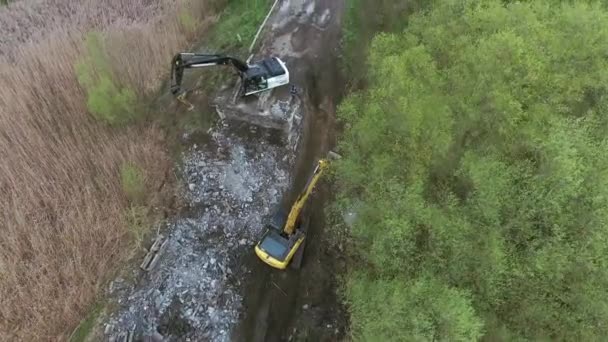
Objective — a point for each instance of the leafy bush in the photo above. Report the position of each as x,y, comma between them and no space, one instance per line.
187,20
138,222
422,310
106,100
133,182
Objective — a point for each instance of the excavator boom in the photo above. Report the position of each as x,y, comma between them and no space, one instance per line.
185,60
296,209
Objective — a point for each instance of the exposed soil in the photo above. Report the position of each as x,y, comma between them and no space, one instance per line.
209,286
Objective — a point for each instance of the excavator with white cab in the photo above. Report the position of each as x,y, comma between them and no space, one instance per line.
261,76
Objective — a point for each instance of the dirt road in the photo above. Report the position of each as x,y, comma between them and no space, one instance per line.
209,286
301,304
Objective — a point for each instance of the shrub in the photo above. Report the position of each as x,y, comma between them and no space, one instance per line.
137,217
106,100
133,184
187,20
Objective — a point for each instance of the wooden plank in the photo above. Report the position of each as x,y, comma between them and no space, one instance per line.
125,336
157,256
154,254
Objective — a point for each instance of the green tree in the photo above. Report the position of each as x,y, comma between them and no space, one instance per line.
478,151
423,310
364,18
106,99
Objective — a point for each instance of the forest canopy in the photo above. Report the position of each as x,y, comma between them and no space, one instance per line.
478,155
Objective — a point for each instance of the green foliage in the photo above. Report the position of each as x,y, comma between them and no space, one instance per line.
420,310
187,20
350,36
86,326
133,182
478,151
138,221
363,19
238,25
106,100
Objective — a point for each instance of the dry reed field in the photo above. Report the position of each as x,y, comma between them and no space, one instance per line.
63,225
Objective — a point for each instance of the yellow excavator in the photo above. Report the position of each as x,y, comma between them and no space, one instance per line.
285,233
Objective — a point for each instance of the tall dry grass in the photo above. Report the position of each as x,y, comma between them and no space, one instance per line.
34,20
63,228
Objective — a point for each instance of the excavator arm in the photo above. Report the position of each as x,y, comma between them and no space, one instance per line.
184,60
294,213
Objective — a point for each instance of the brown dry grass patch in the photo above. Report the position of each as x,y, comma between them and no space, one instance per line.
62,208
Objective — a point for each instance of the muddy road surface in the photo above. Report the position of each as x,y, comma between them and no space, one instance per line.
301,304
208,284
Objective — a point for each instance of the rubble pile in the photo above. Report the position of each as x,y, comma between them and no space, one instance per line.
232,184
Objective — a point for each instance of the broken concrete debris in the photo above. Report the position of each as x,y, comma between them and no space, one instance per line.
193,290
278,110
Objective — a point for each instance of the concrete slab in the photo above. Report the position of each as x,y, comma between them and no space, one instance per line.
278,109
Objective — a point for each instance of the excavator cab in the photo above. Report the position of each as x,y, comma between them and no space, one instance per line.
277,249
266,74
